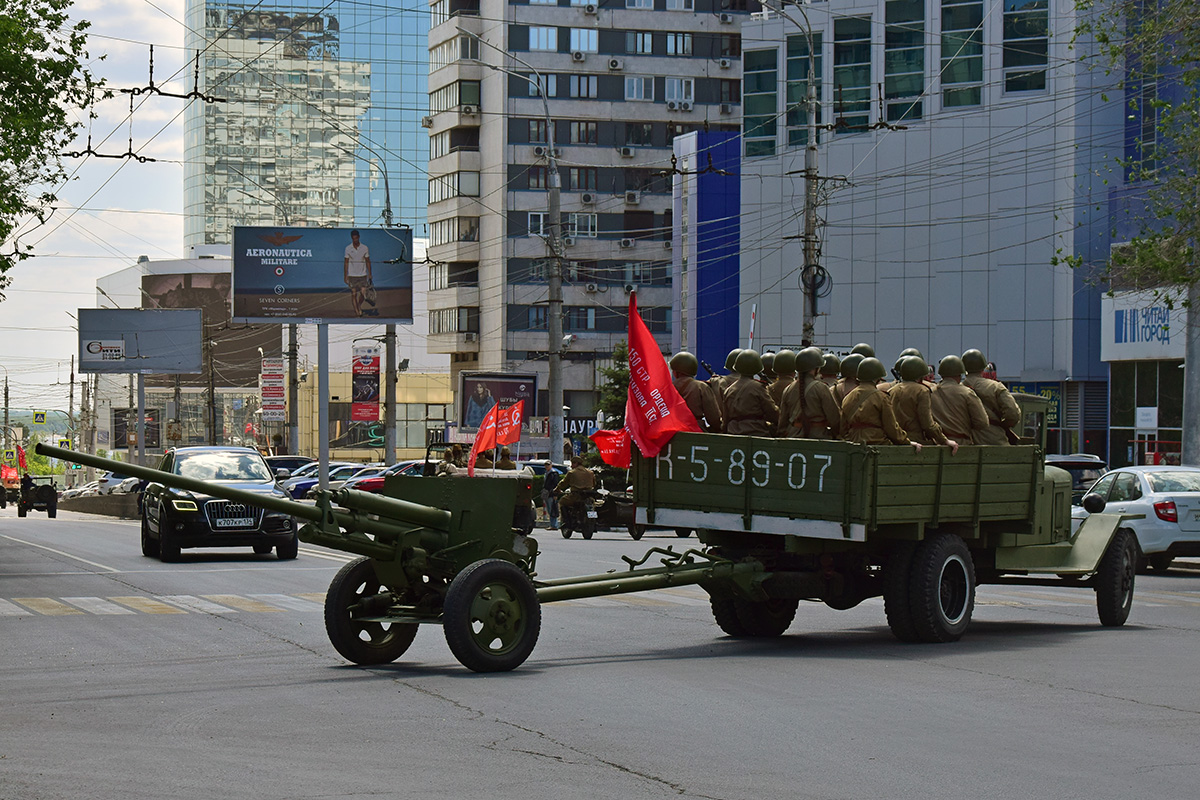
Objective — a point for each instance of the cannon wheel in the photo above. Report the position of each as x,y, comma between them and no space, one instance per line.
1115,578
941,589
362,642
491,616
149,546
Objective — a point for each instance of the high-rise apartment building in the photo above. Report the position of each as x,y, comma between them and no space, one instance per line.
608,86
318,119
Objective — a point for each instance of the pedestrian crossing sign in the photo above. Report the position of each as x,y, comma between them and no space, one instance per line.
39,418
64,443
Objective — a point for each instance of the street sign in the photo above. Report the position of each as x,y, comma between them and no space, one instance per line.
39,418
65,444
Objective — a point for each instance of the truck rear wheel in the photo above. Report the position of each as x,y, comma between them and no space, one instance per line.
765,618
1115,578
942,588
896,606
356,591
726,615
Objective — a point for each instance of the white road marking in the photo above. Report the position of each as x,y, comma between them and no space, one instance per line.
61,553
96,605
191,603
8,609
287,601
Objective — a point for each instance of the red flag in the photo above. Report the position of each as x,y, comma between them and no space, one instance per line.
7,473
21,458
613,446
508,426
654,411
485,439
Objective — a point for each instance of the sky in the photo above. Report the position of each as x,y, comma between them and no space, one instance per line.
113,210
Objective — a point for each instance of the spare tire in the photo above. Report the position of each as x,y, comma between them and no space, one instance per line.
45,493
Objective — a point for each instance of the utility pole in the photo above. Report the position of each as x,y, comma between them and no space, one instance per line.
809,275
293,400
389,397
1190,448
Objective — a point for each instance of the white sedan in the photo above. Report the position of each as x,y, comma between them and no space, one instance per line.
1169,499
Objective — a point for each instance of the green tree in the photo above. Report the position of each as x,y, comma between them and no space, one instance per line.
45,86
1153,45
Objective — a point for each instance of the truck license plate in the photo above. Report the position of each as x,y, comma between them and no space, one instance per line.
592,514
235,522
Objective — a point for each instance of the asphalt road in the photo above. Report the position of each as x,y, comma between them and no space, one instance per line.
213,678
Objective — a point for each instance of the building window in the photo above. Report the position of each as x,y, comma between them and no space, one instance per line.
584,86
543,2
760,74
903,59
852,73
580,179
680,5
439,144
456,184
583,225
639,134
459,93
680,89
584,39
962,53
584,132
543,38
639,43
538,223
679,44
537,177
532,85
731,91
639,88
1026,32
455,229
454,320
731,45
537,131
443,275
797,85
459,48
647,4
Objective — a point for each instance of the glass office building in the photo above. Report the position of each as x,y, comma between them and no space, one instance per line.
312,116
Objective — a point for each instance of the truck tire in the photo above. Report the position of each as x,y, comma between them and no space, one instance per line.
941,588
765,618
896,573
726,615
1115,578
491,616
636,532
363,643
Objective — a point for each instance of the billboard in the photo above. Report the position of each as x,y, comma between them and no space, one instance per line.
235,350
1143,325
316,275
150,341
365,375
479,391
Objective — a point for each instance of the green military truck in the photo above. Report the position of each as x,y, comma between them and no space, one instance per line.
840,523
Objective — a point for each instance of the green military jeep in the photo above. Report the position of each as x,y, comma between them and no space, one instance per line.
41,496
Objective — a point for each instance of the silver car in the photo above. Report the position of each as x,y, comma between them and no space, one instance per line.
1169,500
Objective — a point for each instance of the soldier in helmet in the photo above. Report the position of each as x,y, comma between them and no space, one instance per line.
911,403
867,416
767,376
956,408
785,374
849,376
829,371
863,349
809,410
718,383
748,408
698,396
1003,412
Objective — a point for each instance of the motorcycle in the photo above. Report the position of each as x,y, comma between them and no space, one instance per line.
582,515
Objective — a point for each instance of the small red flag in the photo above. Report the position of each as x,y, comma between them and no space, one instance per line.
613,446
654,409
21,458
484,440
508,425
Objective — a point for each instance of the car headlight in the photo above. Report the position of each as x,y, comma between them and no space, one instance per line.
185,505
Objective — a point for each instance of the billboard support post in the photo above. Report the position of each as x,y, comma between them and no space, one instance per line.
293,394
141,420
389,397
323,412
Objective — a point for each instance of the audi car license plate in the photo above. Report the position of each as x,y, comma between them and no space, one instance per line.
235,522
592,514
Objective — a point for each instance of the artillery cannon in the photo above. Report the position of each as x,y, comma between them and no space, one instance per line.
438,551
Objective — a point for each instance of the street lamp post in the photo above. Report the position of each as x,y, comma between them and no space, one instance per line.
554,245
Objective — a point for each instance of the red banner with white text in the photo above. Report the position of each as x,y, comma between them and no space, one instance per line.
654,410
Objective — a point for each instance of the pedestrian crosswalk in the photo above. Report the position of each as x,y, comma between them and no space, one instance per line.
313,602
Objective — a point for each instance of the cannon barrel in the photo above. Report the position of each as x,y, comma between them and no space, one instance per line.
392,508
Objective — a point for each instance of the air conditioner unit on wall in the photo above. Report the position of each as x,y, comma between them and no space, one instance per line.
568,241
616,64
578,55
726,108
626,152
672,105
667,244
725,63
633,197
630,288
591,288
587,198
685,105
470,337
470,109
590,9
539,151
627,243
426,122
726,19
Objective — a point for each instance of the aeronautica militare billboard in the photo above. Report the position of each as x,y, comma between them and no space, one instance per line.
322,275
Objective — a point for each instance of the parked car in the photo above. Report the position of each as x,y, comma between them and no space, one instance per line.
1169,499
1085,470
174,519
374,483
127,486
293,464
79,491
336,482
41,496
304,479
109,481
299,489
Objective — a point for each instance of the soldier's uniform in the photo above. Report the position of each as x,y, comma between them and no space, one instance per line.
750,410
785,375
912,405
702,402
809,411
867,417
1002,410
571,486
959,411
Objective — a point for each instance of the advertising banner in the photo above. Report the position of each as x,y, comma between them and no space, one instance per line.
272,390
322,275
1138,326
150,341
478,392
365,374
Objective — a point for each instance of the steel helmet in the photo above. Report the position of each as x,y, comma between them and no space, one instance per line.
863,349
732,357
911,351
973,361
768,365
850,365
809,359
913,368
951,367
685,363
785,362
748,363
871,370
831,365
